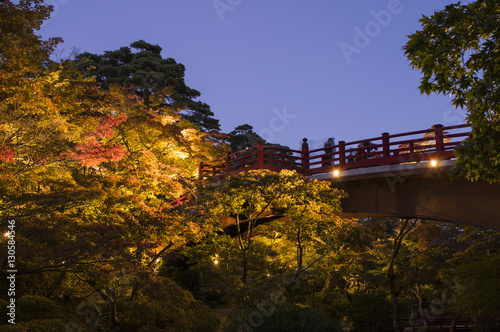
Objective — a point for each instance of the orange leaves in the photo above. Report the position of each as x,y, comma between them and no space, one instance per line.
88,168
7,154
92,153
105,128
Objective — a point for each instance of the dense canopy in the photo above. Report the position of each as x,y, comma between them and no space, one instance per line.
95,150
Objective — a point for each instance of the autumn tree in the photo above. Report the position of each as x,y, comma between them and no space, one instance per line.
312,219
456,51
87,173
251,197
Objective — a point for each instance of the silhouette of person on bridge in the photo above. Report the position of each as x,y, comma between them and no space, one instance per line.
328,149
367,150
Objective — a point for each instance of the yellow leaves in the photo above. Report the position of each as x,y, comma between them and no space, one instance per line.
287,172
54,78
179,154
168,119
190,134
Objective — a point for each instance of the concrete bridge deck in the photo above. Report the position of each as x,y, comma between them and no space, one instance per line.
417,190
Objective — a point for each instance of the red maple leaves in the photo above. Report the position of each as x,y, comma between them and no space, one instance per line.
7,154
96,147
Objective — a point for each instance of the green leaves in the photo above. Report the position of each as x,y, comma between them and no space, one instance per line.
148,74
457,52
308,210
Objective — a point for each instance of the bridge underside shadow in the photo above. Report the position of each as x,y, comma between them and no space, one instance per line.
418,191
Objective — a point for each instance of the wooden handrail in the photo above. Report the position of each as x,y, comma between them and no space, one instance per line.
386,149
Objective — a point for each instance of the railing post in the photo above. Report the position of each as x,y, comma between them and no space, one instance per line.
227,162
385,145
200,166
341,152
260,155
438,136
305,156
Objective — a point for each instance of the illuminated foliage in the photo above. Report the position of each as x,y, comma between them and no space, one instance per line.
86,172
251,197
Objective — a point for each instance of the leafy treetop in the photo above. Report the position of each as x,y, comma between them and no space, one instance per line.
146,72
457,53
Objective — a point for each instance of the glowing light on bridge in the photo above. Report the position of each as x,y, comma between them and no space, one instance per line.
336,173
434,163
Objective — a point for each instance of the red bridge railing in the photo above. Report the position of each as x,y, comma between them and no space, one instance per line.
436,143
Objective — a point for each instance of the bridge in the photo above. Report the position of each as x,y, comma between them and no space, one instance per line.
403,175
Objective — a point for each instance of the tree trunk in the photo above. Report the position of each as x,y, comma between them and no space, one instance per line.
394,300
56,283
244,244
245,271
421,307
453,326
398,240
110,301
135,289
299,255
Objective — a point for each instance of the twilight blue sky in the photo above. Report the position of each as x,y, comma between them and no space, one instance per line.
289,68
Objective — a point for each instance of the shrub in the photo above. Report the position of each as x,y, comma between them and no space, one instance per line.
45,325
32,307
370,312
166,315
12,328
36,325
170,308
287,317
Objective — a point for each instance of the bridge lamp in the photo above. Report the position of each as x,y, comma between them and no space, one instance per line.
434,163
336,173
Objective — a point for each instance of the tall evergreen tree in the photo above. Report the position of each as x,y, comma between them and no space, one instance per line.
142,68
